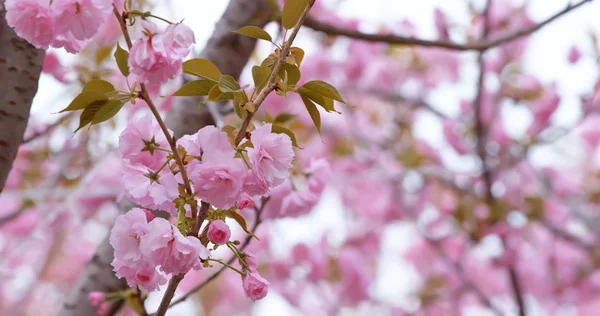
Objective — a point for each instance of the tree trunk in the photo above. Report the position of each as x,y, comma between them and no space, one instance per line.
20,68
230,52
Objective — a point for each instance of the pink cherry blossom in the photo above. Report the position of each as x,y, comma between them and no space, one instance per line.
103,309
255,286
207,142
219,181
53,67
157,193
271,156
298,203
164,245
126,235
320,173
251,261
79,19
146,276
32,20
156,57
219,232
136,141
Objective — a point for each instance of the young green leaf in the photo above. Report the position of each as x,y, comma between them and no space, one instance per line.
278,129
313,112
241,113
202,68
242,222
293,73
255,32
283,118
325,103
94,90
107,111
261,75
88,113
228,84
292,11
298,54
324,89
121,56
195,88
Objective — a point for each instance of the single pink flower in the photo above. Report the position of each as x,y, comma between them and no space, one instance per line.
146,276
150,190
32,20
255,286
137,142
219,181
127,233
207,142
251,261
164,245
271,156
219,232
103,309
80,19
298,203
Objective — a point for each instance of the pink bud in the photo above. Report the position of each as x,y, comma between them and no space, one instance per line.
103,309
574,55
245,202
149,215
218,232
251,261
96,298
255,286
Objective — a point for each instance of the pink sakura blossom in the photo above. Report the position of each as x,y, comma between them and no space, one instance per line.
219,181
219,232
32,20
126,235
271,156
245,201
298,203
441,24
138,139
320,173
150,190
79,19
53,67
542,110
103,309
453,138
164,245
156,57
355,280
255,286
146,276
207,142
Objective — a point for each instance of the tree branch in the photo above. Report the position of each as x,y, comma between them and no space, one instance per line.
20,68
481,45
271,84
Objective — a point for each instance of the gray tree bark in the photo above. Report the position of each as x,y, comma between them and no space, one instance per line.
20,68
230,52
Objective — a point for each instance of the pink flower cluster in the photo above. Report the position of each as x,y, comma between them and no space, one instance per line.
156,57
147,250
64,23
223,180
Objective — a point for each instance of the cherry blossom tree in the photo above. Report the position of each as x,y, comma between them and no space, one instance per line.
176,177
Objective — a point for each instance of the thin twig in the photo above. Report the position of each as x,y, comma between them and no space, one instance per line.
257,221
481,45
271,84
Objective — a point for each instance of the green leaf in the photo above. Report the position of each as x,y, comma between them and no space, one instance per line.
94,90
255,32
293,73
325,103
241,113
292,11
278,129
107,111
202,68
313,112
298,54
228,84
261,75
195,88
121,56
240,96
102,53
324,89
283,118
88,113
